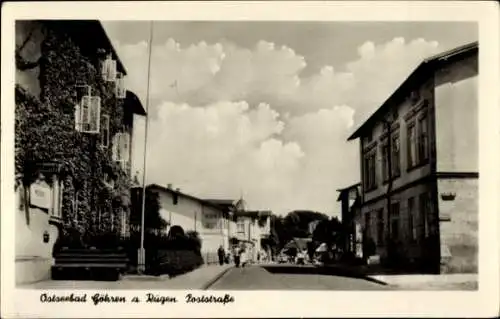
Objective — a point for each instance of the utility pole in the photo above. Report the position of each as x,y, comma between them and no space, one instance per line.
141,267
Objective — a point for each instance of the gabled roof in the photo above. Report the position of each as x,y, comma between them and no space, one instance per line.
181,194
133,104
89,35
419,74
225,202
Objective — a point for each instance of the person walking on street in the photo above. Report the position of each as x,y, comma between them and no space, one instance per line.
237,254
221,254
243,257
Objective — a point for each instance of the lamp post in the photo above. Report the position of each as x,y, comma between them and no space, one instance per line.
141,267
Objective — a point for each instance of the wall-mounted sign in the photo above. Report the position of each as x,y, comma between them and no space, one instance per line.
41,195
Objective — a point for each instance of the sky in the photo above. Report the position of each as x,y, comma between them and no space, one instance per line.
262,110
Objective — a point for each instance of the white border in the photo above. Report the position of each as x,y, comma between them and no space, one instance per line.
22,303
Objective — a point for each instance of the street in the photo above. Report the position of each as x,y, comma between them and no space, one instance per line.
289,277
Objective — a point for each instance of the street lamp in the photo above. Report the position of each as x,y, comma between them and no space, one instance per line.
141,267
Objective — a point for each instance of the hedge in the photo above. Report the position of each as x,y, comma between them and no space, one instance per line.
166,254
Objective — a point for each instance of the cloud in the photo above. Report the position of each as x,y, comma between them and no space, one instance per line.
222,149
228,119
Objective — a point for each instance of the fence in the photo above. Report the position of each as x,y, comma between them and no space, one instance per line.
210,258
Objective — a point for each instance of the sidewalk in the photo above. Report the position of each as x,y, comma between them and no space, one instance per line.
430,282
407,281
200,278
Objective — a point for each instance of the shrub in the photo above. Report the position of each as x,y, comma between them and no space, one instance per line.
171,255
175,262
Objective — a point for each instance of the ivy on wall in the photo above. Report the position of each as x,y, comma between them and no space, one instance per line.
45,131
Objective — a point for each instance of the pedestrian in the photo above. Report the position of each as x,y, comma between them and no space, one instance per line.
236,254
221,254
243,258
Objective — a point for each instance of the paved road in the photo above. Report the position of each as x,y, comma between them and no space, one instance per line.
277,277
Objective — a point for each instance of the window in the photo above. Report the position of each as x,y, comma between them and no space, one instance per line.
240,226
120,91
411,218
87,114
370,173
121,149
105,131
380,226
423,139
396,158
211,221
424,213
385,161
368,225
412,148
394,221
109,69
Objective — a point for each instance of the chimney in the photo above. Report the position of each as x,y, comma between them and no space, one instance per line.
178,189
169,186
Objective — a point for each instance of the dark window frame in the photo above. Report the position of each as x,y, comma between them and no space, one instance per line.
411,145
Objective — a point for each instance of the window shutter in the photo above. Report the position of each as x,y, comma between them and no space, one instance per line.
78,125
94,115
126,147
120,86
84,114
112,71
109,69
104,69
115,148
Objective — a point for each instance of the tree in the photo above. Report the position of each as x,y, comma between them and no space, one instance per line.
294,224
152,219
329,232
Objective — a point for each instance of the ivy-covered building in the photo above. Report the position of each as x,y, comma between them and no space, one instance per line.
73,136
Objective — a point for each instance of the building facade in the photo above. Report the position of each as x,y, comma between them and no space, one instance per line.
350,199
72,139
209,220
248,228
419,165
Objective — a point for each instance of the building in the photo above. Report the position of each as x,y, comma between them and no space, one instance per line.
250,228
209,220
419,184
73,132
350,199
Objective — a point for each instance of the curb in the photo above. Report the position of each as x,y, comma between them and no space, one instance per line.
358,274
212,281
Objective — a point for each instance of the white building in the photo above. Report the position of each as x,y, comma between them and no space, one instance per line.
209,220
247,227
